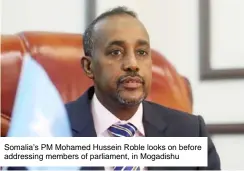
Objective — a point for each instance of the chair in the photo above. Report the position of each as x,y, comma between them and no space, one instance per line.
60,54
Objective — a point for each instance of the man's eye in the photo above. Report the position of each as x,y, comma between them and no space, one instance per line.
141,52
115,52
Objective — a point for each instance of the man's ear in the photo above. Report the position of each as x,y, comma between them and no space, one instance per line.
86,63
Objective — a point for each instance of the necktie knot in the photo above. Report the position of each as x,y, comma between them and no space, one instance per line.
122,130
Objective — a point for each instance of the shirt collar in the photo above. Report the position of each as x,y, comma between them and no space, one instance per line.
103,118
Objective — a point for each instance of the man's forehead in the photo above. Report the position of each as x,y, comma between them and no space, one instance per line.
119,26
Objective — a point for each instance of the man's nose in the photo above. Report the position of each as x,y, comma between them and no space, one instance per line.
130,64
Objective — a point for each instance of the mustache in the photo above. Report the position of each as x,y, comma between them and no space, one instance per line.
131,74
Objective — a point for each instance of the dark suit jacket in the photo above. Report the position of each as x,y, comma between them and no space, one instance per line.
158,121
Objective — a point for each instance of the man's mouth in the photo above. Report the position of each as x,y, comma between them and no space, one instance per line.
131,82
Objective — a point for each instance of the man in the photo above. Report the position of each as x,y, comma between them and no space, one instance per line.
118,60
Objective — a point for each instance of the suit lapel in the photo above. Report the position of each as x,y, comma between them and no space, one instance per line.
154,125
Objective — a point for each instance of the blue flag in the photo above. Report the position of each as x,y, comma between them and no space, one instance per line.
38,109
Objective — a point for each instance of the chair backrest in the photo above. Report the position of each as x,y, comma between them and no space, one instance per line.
60,54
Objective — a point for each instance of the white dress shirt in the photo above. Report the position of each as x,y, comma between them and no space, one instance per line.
103,119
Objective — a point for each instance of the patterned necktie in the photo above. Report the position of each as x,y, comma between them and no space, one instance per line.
123,130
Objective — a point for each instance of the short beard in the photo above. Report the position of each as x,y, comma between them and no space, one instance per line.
129,103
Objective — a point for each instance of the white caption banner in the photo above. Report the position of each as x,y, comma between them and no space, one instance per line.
101,151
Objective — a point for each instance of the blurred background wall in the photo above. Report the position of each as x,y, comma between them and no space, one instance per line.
173,26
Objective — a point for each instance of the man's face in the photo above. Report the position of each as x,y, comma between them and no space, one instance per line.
121,62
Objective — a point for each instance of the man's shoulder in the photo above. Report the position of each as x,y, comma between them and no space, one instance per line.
70,105
167,112
82,102
181,123
74,106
